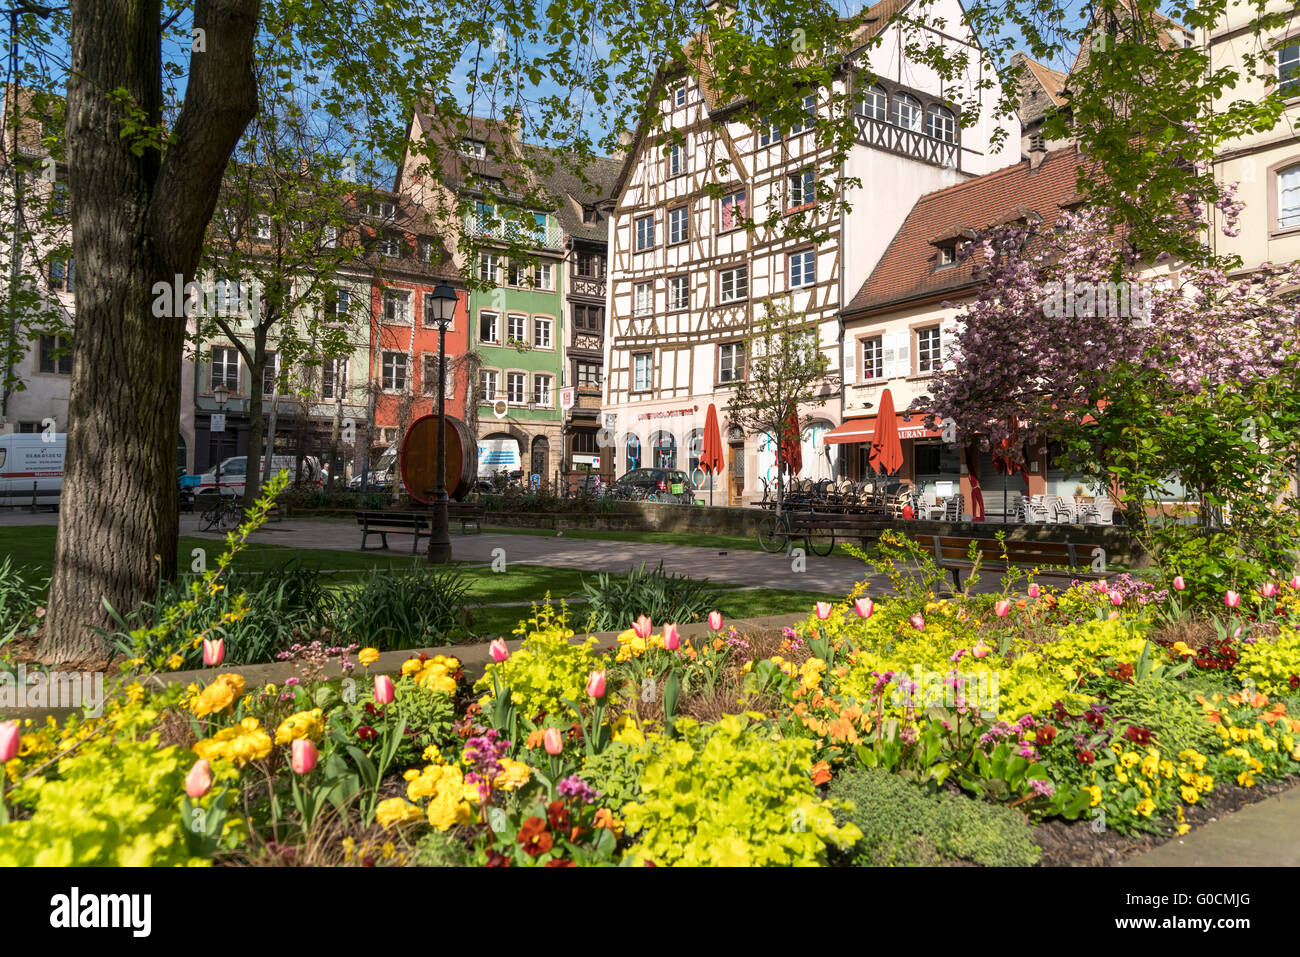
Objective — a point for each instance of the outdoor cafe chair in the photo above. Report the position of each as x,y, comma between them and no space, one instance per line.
1065,510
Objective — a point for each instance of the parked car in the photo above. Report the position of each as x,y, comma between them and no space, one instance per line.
234,473
32,460
662,485
381,477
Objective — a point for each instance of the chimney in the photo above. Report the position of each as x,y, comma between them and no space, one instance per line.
625,139
1037,150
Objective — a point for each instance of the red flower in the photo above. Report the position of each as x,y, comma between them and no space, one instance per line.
560,862
1086,757
1138,735
1045,735
367,733
558,815
534,837
496,859
1294,681
1094,718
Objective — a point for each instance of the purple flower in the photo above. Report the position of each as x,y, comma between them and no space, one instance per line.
1042,788
575,787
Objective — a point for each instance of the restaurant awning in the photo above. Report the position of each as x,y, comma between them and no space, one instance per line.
864,429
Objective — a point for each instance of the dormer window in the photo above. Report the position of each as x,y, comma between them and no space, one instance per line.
589,215
380,210
947,254
476,149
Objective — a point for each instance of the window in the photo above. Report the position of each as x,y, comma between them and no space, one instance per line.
395,371
264,228
873,358
515,387
679,95
588,375
733,284
226,296
516,327
474,148
810,110
430,377
329,237
63,364
1288,197
489,380
544,277
61,274
59,200
644,299
642,371
941,124
769,133
516,274
397,307
927,349
803,268
645,233
539,229
733,210
542,332
424,250
484,218
678,225
676,159
542,390
1288,69
591,318
679,292
873,103
337,302
631,453
802,189
333,378
270,372
905,111
225,368
489,268
380,210
590,265
731,361
589,216
947,254
431,312
489,327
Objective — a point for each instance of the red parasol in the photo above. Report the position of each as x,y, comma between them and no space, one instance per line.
886,450
976,496
791,443
711,454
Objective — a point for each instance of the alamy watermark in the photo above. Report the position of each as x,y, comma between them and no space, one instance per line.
52,689
967,690
225,297
1087,300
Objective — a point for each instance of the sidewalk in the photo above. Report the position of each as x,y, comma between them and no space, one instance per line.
1266,834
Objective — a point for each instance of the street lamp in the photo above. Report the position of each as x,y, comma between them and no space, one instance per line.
221,395
442,303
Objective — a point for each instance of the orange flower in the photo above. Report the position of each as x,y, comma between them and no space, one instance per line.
821,772
535,738
841,730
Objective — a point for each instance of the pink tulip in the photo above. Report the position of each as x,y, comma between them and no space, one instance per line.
552,741
199,781
1002,608
1099,587
865,607
383,689
980,650
1034,591
671,639
596,685
715,620
1237,633
917,621
302,755
1179,584
1231,599
1269,589
214,652
1116,599
643,626
1113,616
1295,582
10,738
823,610
498,651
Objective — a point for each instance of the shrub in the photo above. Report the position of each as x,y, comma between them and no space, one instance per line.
1272,662
410,609
19,600
548,669
615,773
1167,708
903,825
728,794
615,603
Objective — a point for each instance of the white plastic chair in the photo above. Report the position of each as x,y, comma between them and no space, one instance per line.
1064,510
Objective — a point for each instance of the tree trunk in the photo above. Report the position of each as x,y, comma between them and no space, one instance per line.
253,466
137,221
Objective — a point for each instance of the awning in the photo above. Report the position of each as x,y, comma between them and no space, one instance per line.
864,429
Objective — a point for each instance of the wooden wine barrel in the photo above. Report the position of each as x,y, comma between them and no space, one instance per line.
420,455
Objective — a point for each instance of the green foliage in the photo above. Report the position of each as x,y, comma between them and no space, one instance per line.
903,825
1271,662
548,669
441,849
615,603
616,774
1168,708
428,716
19,600
729,794
408,609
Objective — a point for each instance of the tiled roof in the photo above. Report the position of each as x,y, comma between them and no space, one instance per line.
1041,89
907,270
571,193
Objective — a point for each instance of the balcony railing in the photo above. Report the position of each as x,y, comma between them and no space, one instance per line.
536,237
896,139
587,286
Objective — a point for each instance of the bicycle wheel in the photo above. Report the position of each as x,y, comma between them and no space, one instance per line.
821,547
773,532
231,516
209,517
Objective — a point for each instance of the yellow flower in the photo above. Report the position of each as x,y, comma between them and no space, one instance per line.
445,812
368,656
220,695
395,810
1145,807
411,665
304,724
1184,828
1096,794
175,661
239,743
436,682
625,730
1151,765
1121,776
1129,758
513,775
1245,780
1190,795
1204,783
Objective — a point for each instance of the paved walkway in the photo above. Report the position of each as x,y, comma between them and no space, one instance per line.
1261,835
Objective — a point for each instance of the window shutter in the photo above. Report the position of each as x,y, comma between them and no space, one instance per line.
850,370
900,366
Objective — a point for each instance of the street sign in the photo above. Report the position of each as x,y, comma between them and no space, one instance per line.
536,480
568,396
218,422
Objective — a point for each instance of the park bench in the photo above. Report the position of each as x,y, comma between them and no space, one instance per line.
414,524
466,512
1052,558
811,525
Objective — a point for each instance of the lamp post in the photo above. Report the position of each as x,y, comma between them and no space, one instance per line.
443,302
221,395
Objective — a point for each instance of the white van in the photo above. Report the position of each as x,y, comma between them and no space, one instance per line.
235,470
32,459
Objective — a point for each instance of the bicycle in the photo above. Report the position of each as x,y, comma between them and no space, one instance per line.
774,533
224,514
